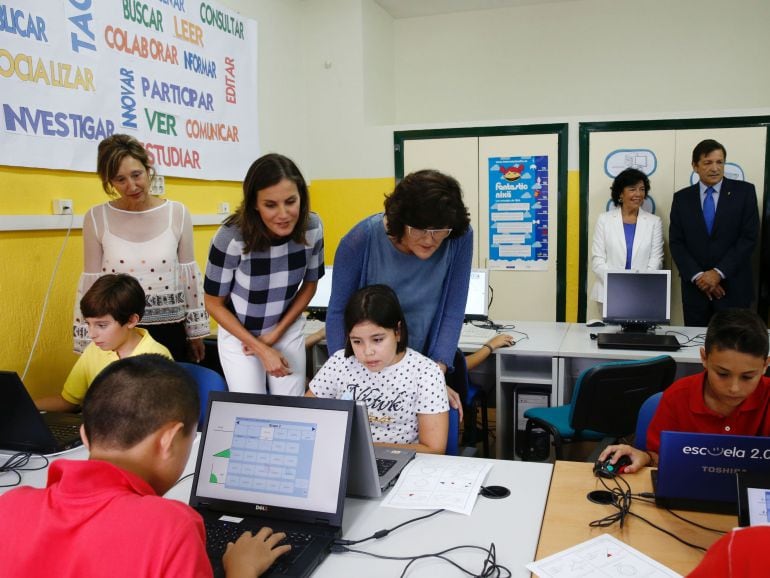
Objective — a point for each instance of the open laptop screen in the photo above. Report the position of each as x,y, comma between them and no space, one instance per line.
288,454
323,291
478,300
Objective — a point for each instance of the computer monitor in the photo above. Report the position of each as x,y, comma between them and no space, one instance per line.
637,300
478,295
320,302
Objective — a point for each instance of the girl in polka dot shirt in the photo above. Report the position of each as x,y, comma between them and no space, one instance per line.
404,391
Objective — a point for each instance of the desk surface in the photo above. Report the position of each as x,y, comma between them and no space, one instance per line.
578,343
534,338
568,513
512,523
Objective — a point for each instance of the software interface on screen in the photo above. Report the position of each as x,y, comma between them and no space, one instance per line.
477,293
323,291
638,296
274,455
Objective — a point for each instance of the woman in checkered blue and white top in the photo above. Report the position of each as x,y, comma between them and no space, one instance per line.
263,268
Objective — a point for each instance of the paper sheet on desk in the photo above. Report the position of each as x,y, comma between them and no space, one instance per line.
436,482
604,555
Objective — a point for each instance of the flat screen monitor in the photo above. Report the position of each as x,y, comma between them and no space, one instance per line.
323,292
637,300
478,295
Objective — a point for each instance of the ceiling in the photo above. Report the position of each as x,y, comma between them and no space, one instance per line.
414,8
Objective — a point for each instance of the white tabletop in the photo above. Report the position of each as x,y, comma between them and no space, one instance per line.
578,343
535,338
512,523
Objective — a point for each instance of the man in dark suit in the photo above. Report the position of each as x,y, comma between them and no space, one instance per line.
712,234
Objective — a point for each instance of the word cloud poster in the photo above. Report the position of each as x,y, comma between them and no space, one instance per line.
518,213
179,75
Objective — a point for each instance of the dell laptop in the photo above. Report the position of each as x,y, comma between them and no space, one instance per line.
697,471
25,429
373,469
276,461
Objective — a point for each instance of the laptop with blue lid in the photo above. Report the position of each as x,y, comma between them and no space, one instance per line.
697,471
274,461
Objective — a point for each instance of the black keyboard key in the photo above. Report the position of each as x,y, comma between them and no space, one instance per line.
219,533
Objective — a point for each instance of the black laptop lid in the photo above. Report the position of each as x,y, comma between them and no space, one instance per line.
274,456
22,426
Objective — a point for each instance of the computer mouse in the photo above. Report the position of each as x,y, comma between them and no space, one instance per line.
594,323
606,469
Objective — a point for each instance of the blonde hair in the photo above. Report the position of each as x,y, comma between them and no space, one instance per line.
112,151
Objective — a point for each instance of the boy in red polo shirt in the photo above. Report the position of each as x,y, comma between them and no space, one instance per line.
731,396
105,516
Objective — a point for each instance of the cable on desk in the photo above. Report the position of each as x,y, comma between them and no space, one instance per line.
382,533
182,479
694,341
622,501
16,464
490,569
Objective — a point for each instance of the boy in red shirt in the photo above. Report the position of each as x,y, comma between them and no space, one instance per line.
731,396
105,516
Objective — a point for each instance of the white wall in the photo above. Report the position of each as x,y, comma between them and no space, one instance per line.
330,99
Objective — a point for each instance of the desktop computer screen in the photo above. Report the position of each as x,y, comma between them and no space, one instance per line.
323,292
637,300
478,295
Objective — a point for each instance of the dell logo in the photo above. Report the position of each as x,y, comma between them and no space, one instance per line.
261,508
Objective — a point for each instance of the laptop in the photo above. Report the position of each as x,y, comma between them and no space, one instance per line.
697,471
323,291
373,469
25,429
753,499
278,461
638,341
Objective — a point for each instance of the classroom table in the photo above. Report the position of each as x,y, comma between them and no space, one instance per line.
512,523
568,513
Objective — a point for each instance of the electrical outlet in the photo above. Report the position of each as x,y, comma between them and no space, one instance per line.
158,186
223,208
62,207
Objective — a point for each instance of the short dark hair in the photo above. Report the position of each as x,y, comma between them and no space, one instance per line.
628,178
266,171
740,330
133,397
379,305
112,150
705,148
426,199
119,295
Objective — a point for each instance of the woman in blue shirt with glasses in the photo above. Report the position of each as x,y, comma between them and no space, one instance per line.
421,247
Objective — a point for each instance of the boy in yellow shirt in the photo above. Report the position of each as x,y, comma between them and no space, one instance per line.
112,308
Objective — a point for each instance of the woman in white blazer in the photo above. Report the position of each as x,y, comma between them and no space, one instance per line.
626,224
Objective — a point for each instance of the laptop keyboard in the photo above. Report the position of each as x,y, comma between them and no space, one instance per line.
64,432
383,465
219,533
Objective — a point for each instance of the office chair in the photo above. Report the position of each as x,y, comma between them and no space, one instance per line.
645,417
605,403
207,380
453,435
474,399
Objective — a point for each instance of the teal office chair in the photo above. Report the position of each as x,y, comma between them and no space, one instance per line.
605,403
643,421
207,380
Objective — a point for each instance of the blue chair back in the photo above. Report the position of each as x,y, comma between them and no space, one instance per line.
453,436
643,421
207,380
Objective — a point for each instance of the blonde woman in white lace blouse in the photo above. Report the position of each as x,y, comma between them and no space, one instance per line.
149,238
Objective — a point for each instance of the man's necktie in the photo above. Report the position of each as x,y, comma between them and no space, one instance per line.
708,209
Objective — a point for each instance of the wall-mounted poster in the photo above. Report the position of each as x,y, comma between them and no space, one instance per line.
518,213
179,75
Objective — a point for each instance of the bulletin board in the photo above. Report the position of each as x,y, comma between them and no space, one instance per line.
514,183
663,150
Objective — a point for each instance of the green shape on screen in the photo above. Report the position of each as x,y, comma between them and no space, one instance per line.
223,454
213,478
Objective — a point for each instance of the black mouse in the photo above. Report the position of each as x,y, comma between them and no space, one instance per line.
605,469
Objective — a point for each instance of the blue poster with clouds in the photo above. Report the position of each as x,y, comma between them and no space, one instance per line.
518,213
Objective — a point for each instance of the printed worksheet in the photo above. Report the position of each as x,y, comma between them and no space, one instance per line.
436,482
603,556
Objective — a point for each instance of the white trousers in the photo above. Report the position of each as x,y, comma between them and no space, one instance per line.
245,373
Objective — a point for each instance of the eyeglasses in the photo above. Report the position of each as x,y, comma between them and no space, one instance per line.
435,234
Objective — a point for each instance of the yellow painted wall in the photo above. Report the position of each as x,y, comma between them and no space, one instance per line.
27,258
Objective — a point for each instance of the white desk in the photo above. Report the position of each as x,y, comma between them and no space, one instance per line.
512,523
579,352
